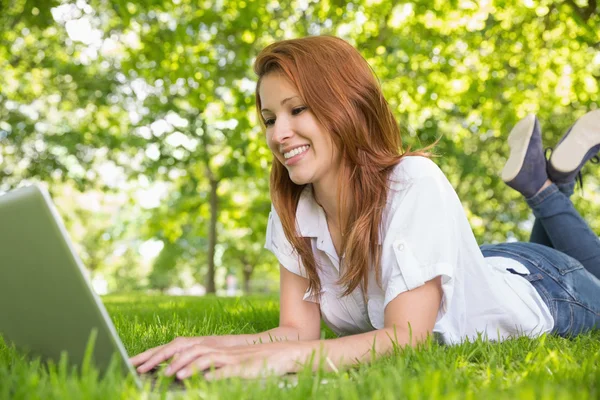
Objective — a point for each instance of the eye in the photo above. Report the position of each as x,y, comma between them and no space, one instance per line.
298,110
295,111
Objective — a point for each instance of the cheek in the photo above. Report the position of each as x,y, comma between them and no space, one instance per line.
326,145
331,153
270,143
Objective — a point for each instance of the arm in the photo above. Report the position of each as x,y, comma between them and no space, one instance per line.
299,320
417,307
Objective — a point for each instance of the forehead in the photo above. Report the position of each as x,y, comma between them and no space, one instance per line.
275,87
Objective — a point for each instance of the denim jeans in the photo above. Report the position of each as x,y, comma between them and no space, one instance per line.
563,258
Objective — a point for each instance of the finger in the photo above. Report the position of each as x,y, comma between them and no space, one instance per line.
207,356
220,357
163,354
187,357
251,369
216,360
234,370
143,357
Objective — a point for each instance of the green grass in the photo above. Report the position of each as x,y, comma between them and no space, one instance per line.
545,368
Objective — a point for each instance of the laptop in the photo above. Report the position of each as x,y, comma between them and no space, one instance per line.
47,305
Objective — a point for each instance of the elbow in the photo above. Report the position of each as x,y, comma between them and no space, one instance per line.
303,333
403,335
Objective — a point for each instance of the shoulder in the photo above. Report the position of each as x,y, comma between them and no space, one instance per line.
418,187
277,243
414,169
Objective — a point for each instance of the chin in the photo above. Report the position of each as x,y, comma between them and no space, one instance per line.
299,179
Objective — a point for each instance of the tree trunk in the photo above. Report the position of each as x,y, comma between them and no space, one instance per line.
212,235
247,271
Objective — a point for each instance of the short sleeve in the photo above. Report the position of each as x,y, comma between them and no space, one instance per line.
277,243
423,235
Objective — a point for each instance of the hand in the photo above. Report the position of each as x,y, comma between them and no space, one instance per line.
248,362
152,357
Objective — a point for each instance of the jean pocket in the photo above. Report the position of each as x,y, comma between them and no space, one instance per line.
533,277
562,262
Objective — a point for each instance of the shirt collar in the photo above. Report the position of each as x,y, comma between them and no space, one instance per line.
310,216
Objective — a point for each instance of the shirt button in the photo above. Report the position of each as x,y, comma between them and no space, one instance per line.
400,246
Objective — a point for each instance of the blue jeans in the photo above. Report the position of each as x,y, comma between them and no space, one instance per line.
563,258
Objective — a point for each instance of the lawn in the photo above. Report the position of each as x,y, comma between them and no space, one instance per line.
545,368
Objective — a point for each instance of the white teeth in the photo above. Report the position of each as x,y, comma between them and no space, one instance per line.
295,152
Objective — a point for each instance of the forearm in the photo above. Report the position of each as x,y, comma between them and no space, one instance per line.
279,334
356,349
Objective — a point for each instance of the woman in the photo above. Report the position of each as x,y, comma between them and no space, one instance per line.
375,241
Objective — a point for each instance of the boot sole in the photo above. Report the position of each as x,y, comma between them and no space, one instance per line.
518,141
584,135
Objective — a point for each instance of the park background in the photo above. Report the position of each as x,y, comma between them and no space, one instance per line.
139,117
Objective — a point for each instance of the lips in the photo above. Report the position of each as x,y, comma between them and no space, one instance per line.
295,155
295,151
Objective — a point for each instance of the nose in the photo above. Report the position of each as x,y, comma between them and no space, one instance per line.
282,130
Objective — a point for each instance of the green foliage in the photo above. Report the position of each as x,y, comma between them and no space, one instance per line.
162,92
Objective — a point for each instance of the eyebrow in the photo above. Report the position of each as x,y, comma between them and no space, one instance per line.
282,103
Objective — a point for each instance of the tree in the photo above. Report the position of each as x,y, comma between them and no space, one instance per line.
161,92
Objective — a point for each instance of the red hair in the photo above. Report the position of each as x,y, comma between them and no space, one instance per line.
339,87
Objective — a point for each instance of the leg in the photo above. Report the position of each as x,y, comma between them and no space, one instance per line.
526,171
538,233
566,229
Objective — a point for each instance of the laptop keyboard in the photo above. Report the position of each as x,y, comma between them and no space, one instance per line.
157,380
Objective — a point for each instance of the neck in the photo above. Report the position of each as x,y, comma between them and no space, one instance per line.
326,197
325,192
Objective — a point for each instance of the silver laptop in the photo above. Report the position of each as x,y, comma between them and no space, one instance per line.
47,305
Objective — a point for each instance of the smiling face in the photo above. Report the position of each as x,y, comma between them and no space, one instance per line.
295,136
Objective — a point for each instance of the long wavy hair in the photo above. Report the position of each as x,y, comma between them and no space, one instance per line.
339,87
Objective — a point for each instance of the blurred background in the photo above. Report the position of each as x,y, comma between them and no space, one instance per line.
139,117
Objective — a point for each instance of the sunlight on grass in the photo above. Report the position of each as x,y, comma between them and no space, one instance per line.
546,368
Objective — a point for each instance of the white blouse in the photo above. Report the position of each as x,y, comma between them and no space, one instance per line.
424,234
